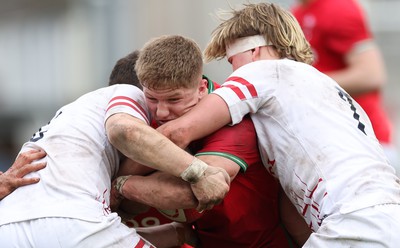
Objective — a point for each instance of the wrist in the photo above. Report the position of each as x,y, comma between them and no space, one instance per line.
119,183
194,171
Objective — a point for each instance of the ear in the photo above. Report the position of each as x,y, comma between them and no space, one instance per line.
255,53
203,88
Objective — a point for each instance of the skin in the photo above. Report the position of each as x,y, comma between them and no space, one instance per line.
168,105
14,178
195,124
138,141
161,190
192,126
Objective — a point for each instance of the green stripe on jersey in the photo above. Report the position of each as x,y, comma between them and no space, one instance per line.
242,164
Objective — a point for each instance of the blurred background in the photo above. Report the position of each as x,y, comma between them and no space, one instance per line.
53,51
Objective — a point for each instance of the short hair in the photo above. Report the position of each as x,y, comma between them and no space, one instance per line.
124,71
278,26
170,62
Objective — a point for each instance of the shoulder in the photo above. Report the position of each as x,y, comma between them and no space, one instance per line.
122,87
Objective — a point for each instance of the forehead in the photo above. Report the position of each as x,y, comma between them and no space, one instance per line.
167,93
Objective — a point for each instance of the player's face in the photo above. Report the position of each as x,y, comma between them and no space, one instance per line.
167,105
240,59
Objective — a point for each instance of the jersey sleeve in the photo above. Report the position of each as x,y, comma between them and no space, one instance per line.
237,143
130,100
249,88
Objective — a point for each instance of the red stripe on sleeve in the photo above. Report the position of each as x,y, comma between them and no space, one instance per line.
237,91
250,87
131,100
134,107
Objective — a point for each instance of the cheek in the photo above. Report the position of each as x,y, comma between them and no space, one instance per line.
152,107
177,111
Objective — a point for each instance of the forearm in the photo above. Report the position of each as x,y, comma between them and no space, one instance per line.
170,235
130,167
209,115
160,190
145,145
163,236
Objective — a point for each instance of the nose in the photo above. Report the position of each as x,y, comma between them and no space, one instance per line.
162,111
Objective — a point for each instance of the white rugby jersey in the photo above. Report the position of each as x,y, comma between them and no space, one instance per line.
80,160
312,136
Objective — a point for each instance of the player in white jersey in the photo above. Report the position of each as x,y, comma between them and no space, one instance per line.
69,207
312,135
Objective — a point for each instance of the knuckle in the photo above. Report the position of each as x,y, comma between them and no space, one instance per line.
24,156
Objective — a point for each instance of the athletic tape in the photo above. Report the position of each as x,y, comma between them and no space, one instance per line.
244,44
194,171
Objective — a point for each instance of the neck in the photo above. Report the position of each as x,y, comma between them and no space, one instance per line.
268,52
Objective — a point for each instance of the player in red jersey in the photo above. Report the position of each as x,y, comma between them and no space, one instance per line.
344,49
249,214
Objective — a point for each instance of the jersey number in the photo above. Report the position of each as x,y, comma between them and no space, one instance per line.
39,134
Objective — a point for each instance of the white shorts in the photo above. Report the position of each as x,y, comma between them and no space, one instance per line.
372,227
66,232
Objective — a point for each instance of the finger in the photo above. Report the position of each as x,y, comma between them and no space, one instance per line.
27,158
25,181
29,168
37,154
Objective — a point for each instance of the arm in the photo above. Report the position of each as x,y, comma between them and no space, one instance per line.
293,221
164,191
365,70
130,167
139,142
14,176
169,235
117,202
209,115
159,190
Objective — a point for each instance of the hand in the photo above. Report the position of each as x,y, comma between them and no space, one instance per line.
211,188
116,195
186,234
14,176
176,135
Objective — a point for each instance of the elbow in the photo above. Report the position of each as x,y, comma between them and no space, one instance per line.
121,132
116,134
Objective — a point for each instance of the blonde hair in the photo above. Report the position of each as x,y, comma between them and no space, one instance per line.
169,62
277,25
